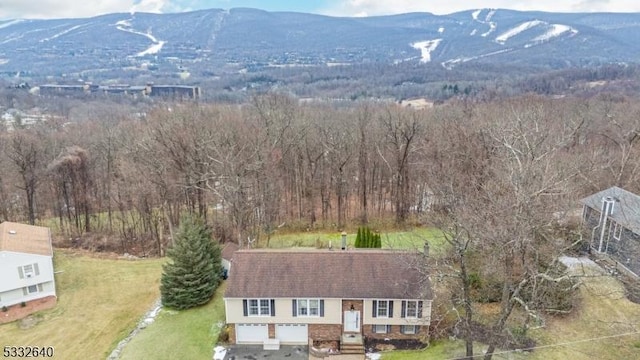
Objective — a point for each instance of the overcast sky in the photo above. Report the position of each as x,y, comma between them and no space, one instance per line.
11,9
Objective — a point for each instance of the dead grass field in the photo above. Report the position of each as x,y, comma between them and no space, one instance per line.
99,303
605,326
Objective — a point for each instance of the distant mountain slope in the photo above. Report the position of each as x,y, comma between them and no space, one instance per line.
218,41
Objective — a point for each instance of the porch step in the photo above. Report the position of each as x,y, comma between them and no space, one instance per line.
352,349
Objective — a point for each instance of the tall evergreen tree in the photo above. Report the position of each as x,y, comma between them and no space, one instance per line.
193,274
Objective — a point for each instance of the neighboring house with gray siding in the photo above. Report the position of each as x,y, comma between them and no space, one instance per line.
347,297
612,220
26,264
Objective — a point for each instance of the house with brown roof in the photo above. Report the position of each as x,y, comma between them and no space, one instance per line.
26,267
349,298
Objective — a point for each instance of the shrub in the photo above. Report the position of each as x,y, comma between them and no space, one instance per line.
489,290
474,280
23,304
5,309
367,239
223,337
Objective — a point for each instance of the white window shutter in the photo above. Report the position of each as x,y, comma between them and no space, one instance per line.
36,269
20,273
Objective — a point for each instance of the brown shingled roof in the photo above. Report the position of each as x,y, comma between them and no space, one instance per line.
359,274
25,239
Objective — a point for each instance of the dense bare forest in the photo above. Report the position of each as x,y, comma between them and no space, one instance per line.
276,162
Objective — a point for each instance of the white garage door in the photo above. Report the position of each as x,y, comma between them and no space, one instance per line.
292,333
251,333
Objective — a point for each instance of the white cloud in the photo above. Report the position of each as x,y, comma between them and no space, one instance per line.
46,9
10,9
383,7
154,6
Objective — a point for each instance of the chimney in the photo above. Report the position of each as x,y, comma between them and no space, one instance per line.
344,240
426,249
608,203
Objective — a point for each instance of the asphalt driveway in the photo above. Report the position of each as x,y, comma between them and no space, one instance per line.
255,352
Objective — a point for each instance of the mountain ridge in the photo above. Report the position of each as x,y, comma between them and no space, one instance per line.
245,39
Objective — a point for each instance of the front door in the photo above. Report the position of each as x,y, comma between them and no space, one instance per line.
352,321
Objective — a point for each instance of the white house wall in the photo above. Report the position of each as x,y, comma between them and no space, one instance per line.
332,313
227,265
11,285
17,296
397,318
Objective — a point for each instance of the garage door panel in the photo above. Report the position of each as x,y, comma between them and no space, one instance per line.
251,333
292,333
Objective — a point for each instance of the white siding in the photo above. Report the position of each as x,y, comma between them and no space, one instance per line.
332,314
284,313
397,319
227,265
11,285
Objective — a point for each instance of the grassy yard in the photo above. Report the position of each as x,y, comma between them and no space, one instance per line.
605,326
188,334
99,303
413,239
437,350
593,332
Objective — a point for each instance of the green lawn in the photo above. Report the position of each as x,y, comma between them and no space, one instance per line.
99,303
436,350
188,334
413,239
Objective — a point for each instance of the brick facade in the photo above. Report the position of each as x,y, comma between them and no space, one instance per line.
395,333
325,332
357,305
395,339
272,331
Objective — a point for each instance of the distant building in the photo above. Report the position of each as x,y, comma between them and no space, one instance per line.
13,118
55,89
174,92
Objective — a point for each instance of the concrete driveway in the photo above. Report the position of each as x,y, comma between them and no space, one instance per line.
255,352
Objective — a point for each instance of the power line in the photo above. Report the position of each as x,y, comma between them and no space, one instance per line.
550,346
